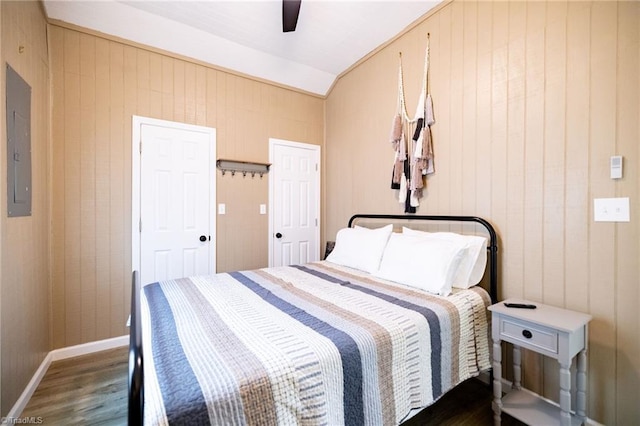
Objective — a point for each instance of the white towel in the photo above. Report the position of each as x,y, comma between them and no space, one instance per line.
402,194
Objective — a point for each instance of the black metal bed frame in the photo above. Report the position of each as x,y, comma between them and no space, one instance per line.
136,371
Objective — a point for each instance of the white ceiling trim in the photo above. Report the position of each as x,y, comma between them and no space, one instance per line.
129,23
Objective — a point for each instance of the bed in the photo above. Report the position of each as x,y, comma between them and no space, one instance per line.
320,343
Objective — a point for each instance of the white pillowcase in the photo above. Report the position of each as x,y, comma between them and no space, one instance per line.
360,248
473,264
427,264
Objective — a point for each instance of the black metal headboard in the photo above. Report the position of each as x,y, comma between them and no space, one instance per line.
492,247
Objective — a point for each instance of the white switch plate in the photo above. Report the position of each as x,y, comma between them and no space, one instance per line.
222,208
611,209
263,209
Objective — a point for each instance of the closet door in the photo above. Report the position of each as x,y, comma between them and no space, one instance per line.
177,183
294,203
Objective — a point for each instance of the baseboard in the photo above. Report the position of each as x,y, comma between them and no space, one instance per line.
28,391
89,348
55,355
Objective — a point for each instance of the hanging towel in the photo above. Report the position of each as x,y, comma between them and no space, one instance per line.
413,157
402,194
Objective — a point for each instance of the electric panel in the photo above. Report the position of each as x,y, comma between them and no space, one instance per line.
18,145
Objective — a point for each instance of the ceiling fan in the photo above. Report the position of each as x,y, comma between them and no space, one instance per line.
290,11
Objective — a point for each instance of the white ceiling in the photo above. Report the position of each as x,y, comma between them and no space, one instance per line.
247,37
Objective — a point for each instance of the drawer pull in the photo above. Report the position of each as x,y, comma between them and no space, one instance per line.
527,334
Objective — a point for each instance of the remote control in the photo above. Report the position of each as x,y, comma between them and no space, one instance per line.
520,305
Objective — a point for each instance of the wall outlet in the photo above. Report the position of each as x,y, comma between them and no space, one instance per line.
611,209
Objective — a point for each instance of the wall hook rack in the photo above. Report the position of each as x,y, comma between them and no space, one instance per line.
244,167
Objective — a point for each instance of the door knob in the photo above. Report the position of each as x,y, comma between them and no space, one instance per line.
278,235
203,238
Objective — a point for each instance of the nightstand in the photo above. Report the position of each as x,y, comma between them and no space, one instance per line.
557,333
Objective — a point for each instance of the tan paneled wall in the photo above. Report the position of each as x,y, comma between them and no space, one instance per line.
531,100
98,84
24,269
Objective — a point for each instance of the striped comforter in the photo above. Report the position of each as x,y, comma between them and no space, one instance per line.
316,344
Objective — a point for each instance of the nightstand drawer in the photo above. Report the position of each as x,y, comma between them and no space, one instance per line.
528,335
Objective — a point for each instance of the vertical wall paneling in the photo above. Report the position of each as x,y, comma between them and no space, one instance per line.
627,234
482,191
71,172
469,105
602,137
549,92
2,206
103,185
577,202
142,84
130,109
554,153
441,187
155,85
58,296
513,238
494,203
457,90
534,149
97,86
87,224
118,139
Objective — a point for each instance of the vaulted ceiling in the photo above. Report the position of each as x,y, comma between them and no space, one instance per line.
247,36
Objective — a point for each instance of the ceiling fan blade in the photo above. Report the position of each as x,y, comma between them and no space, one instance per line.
290,11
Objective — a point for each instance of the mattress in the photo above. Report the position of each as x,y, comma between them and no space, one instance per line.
312,344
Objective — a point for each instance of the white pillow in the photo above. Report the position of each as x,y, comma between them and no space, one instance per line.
473,265
427,264
360,248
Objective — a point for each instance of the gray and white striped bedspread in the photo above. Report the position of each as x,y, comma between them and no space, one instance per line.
316,344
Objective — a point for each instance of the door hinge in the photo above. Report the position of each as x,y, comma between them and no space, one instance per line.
316,167
140,225
140,147
316,221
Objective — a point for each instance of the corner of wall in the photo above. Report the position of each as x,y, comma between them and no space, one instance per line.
2,154
24,241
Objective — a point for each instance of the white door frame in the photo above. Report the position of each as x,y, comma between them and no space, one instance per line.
137,123
292,144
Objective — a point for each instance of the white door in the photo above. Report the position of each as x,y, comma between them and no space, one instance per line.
176,185
294,198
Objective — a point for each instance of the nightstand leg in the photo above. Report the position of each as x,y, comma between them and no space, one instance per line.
497,382
581,385
565,394
517,370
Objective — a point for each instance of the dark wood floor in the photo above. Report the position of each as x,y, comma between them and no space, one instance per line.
92,390
468,404
86,390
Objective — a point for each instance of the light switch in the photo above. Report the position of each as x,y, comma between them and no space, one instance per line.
222,208
611,209
263,209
